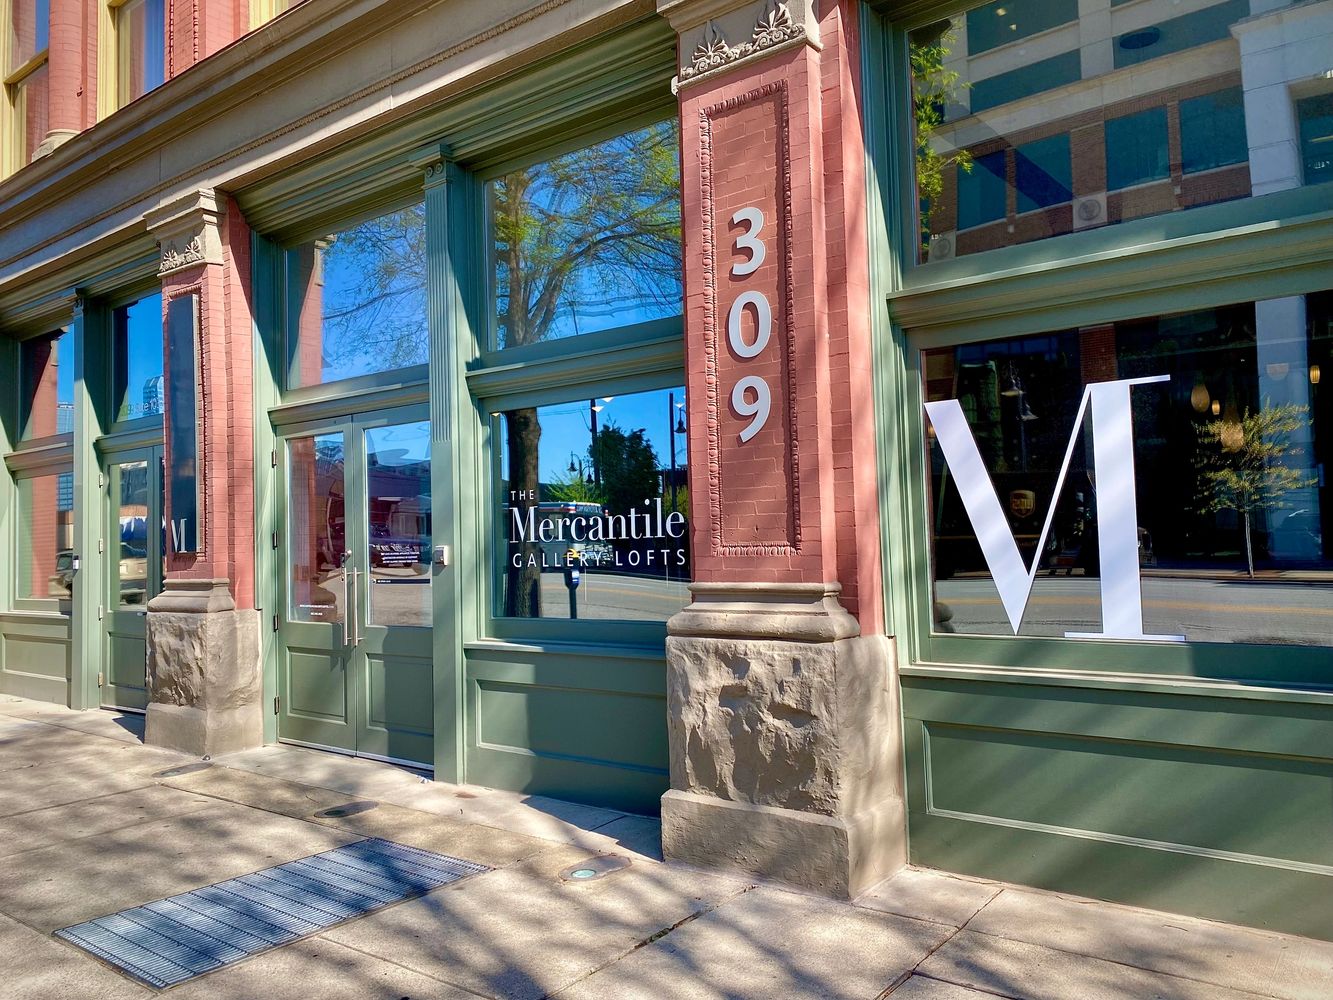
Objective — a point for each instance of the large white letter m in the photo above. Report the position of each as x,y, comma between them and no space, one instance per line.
1117,508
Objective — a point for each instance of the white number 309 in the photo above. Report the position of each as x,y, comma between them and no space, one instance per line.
761,405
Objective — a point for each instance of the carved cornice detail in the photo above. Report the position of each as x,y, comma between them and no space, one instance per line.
187,231
775,27
173,259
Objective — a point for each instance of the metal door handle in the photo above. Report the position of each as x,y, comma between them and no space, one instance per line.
353,608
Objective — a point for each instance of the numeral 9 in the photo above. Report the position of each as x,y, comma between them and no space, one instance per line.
758,409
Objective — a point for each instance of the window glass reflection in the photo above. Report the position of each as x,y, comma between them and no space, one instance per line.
46,388
32,110
1230,459
141,36
137,358
588,241
360,300
398,503
1036,118
132,513
44,562
317,528
593,505
29,30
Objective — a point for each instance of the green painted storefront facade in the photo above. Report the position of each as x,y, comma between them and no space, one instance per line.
1194,777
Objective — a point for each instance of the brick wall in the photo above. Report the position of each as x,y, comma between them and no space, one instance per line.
226,407
797,502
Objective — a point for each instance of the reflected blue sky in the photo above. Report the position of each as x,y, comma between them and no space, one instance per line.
567,428
139,343
373,296
65,369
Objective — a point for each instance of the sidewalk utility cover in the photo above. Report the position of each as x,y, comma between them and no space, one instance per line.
178,938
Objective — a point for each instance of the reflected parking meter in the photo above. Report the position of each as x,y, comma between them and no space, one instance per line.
572,576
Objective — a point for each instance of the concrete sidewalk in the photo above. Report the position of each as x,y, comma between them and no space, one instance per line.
89,826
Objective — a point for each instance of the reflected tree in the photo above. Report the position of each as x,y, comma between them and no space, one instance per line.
934,88
1242,464
629,468
374,299
592,233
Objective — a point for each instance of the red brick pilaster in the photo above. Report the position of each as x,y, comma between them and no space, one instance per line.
772,122
206,252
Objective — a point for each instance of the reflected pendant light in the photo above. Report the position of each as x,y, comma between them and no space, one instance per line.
1200,397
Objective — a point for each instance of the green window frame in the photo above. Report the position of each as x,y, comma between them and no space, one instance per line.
27,458
1267,246
637,357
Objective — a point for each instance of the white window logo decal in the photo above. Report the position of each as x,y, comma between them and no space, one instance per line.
1117,509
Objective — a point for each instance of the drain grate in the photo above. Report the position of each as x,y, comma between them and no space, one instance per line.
175,939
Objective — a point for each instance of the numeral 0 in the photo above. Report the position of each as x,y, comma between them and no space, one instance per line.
763,315
763,402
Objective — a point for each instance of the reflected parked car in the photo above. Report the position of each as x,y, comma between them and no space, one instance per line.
61,582
133,574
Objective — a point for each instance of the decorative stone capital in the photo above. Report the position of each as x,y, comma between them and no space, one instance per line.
796,612
187,230
717,35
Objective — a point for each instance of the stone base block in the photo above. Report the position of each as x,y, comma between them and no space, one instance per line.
201,732
831,855
205,683
785,738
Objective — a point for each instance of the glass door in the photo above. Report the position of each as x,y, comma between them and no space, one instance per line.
355,641
135,550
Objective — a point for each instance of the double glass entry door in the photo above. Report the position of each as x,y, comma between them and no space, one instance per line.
356,657
135,547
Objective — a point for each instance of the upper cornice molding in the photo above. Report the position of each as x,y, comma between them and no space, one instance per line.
296,90
718,35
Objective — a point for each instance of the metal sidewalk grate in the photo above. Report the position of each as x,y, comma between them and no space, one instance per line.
175,939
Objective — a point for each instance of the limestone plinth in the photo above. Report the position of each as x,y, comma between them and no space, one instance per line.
205,685
785,739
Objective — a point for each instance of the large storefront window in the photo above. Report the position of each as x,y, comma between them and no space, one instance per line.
595,509
138,388
1129,114
588,241
1226,439
359,300
46,385
44,562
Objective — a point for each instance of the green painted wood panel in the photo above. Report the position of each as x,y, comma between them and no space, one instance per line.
398,716
589,726
126,678
1204,805
35,660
